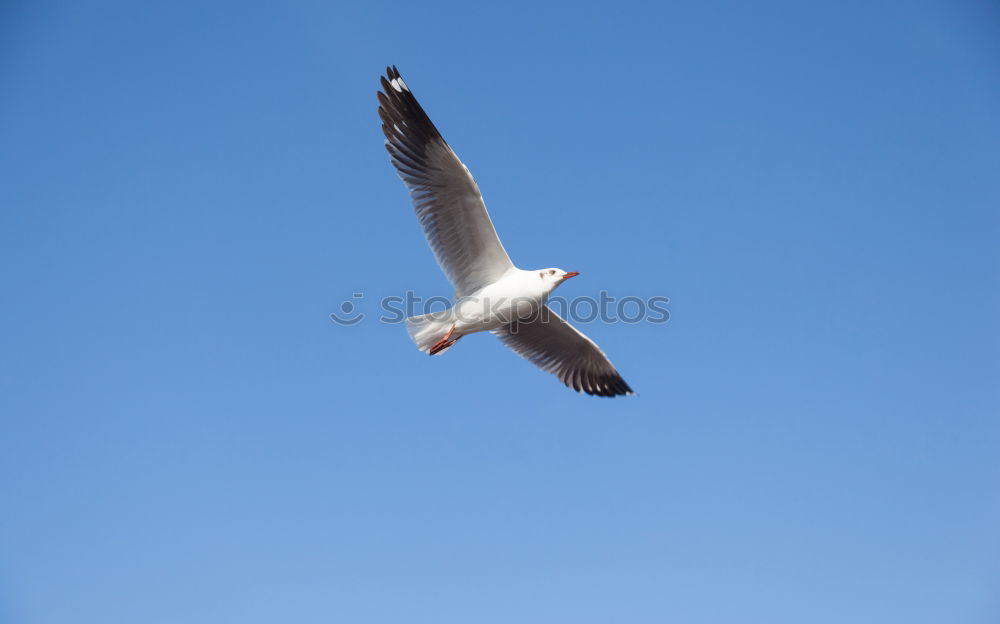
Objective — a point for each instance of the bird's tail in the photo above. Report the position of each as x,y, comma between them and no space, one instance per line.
427,330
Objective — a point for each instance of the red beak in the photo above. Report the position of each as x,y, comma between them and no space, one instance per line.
570,274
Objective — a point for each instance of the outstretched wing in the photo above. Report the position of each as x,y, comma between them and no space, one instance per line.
555,346
445,196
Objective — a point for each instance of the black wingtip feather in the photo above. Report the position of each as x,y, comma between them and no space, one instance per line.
405,124
606,386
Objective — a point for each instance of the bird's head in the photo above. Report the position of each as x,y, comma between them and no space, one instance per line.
553,277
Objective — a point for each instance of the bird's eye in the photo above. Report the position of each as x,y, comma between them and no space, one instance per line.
552,271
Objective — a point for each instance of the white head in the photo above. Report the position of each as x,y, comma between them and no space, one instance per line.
551,278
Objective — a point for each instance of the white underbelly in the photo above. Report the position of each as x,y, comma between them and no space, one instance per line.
485,313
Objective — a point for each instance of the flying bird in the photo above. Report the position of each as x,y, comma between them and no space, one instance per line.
491,294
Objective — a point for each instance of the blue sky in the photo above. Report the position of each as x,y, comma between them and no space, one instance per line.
190,189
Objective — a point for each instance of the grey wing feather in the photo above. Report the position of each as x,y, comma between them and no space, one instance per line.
445,197
555,346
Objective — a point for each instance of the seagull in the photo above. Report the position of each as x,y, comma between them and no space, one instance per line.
491,294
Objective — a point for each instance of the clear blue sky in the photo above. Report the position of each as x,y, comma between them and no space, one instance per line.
188,190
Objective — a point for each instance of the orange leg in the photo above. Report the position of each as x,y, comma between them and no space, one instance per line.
444,343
